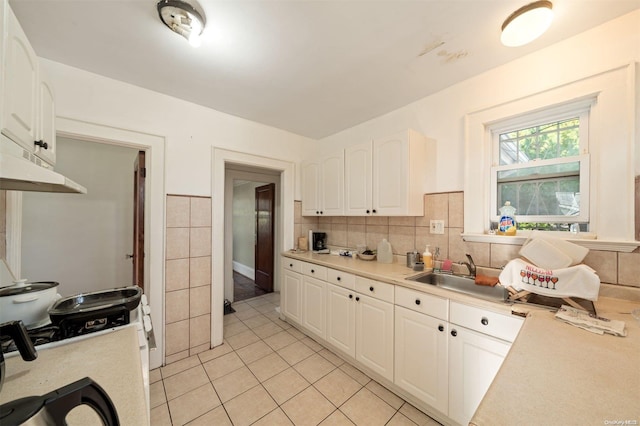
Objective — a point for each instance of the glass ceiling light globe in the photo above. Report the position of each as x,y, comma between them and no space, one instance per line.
527,24
182,18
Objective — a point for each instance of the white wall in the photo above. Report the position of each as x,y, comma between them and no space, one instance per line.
81,240
441,116
190,130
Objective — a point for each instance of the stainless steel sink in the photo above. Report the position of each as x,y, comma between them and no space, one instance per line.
462,284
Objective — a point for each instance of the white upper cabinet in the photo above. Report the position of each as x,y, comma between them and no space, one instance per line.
323,186
387,176
358,177
21,86
46,130
28,103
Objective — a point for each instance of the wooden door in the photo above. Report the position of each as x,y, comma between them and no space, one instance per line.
137,258
264,246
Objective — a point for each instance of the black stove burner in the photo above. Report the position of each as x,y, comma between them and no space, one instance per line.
73,325
39,336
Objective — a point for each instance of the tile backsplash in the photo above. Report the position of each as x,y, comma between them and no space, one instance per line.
408,233
187,276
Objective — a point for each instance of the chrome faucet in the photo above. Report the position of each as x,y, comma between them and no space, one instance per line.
470,265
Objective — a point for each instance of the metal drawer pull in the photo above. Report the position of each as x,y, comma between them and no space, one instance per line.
357,299
338,278
417,301
441,327
484,321
313,271
370,288
454,333
351,296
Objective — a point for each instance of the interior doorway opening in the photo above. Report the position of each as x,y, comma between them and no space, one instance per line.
224,162
244,269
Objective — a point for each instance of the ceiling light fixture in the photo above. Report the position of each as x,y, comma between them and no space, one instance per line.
183,19
527,23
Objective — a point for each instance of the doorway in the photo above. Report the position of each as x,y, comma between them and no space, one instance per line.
245,277
223,163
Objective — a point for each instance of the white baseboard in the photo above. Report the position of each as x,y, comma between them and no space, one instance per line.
245,270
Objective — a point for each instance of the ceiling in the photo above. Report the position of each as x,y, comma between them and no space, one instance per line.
309,67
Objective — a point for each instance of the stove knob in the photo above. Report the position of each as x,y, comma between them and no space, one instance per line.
146,321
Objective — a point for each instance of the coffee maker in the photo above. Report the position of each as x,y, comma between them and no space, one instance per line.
320,242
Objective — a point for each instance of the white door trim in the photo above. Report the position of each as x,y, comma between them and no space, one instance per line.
220,158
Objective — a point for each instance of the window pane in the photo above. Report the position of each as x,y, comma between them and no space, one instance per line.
559,139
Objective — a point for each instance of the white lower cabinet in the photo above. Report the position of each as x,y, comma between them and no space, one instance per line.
291,300
341,319
442,352
374,335
313,305
421,358
479,340
361,327
474,361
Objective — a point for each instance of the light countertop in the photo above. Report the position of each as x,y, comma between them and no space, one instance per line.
555,373
112,360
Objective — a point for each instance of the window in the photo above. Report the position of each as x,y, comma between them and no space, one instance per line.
541,166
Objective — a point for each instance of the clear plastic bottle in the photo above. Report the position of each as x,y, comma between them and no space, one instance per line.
385,255
427,258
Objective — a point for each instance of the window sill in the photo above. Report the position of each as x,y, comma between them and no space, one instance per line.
586,240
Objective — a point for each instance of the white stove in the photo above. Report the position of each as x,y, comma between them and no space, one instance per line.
140,318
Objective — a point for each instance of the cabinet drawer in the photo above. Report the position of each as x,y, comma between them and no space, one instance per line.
375,289
342,279
492,323
313,270
422,302
292,264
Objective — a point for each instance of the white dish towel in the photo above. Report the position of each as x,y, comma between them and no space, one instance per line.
574,281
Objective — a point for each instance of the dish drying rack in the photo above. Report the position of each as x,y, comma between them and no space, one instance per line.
523,296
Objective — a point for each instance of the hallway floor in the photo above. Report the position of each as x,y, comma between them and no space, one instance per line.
269,373
245,288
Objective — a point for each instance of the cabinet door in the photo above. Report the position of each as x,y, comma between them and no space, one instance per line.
310,177
332,185
20,84
390,171
374,335
313,305
341,317
357,176
474,360
421,363
292,296
46,120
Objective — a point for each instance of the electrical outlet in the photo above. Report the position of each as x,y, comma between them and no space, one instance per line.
436,226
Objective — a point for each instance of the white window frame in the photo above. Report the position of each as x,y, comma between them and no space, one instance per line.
613,149
580,109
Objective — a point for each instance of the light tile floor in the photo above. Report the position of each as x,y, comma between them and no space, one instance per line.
269,373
